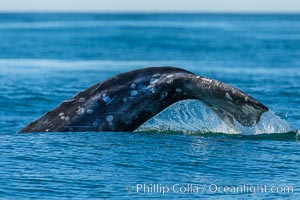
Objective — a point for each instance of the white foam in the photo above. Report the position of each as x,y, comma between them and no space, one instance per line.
269,123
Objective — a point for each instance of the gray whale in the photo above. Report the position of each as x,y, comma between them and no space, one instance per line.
126,101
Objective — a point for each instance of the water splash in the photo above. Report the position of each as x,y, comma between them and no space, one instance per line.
269,123
191,116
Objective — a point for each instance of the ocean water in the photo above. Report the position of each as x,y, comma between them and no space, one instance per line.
185,151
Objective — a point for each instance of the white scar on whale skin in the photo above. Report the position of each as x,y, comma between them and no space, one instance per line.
109,119
80,110
97,97
81,99
178,90
228,96
95,124
134,93
90,111
62,116
133,86
163,95
153,81
107,99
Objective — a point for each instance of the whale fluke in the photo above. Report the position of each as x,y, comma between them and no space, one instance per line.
126,101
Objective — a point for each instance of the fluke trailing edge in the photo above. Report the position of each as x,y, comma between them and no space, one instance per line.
126,101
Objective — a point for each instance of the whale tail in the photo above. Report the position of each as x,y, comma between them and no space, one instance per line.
228,102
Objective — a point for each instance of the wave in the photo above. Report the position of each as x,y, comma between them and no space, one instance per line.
171,23
114,23
192,117
132,64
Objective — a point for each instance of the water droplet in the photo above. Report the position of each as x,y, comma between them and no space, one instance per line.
124,100
61,114
67,118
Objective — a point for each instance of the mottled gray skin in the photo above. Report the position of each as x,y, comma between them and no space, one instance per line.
126,101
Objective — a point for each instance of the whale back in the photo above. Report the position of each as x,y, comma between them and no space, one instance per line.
97,107
126,101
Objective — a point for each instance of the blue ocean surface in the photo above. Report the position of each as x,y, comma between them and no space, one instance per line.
184,152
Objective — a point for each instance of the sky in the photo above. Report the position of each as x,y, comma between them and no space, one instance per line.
270,6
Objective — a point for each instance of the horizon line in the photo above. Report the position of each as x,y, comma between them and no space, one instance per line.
149,12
